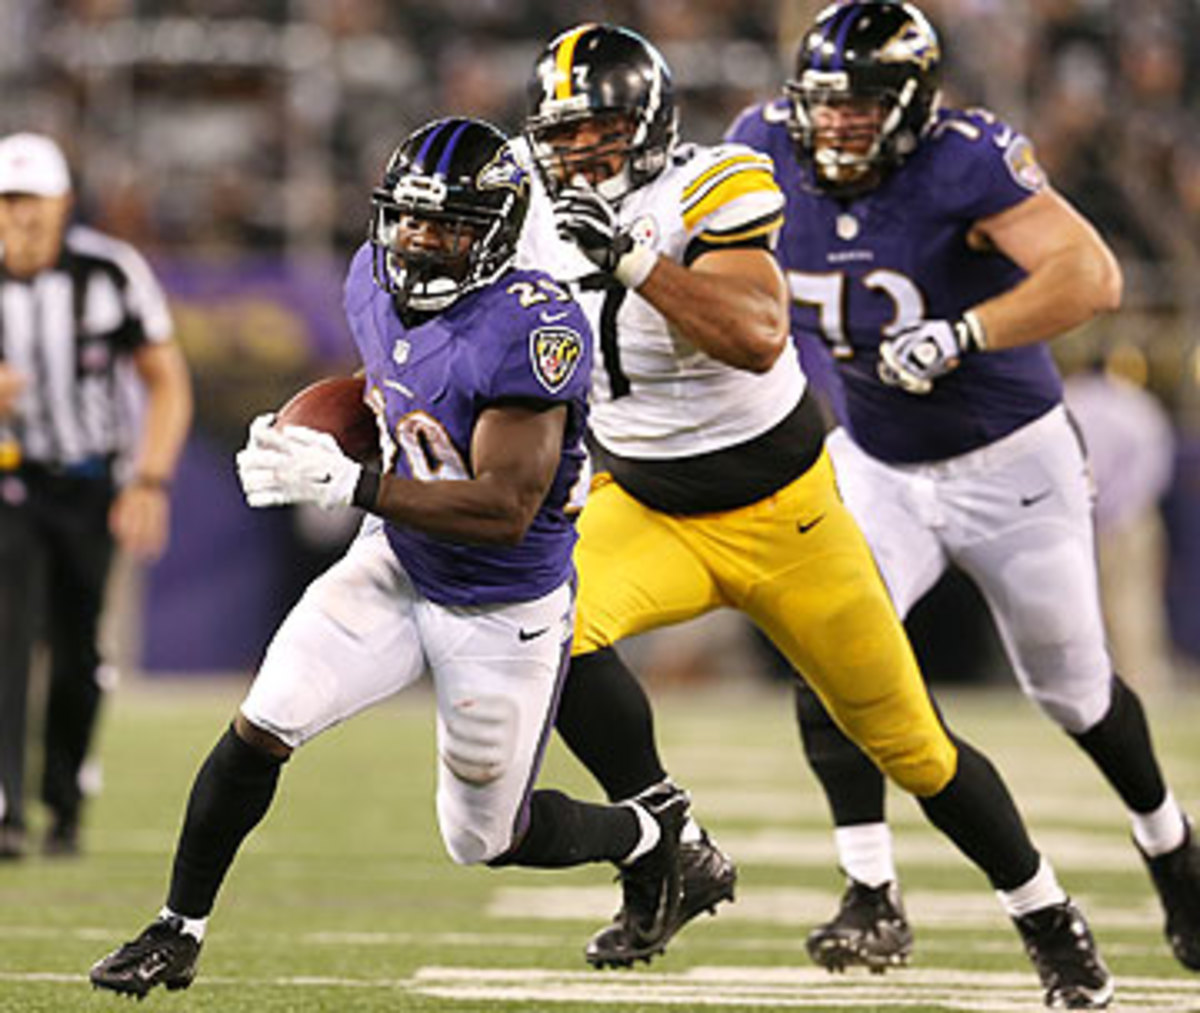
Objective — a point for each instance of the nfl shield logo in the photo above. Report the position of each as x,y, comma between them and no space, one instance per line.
400,351
555,352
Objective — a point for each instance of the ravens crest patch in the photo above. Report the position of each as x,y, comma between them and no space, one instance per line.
555,352
1023,165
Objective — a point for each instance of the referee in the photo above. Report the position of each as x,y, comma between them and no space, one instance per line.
95,404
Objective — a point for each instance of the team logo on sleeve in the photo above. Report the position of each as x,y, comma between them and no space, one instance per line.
554,352
1023,165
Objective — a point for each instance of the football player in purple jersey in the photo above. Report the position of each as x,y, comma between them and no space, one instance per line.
478,372
925,249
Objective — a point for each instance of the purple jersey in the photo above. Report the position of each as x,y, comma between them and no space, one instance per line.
519,339
860,270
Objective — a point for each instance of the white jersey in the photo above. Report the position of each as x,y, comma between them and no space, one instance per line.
656,396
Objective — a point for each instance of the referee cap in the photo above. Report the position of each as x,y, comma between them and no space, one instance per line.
33,163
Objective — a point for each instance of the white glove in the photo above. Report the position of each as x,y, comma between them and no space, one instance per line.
919,354
586,219
295,464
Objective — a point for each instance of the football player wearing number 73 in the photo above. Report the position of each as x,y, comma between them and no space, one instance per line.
480,371
925,247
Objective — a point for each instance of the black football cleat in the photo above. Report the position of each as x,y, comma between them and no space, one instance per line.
652,887
1176,876
1060,944
869,930
708,877
162,955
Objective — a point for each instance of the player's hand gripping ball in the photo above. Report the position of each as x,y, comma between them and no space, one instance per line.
335,406
311,450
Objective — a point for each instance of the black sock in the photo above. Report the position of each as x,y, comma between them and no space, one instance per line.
564,831
853,785
229,797
604,717
978,814
1119,744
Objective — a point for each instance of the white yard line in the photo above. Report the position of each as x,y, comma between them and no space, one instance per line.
745,987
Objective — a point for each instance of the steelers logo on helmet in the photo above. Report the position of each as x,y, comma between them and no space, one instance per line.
448,213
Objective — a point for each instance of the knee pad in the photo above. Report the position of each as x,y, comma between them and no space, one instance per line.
922,760
925,771
480,736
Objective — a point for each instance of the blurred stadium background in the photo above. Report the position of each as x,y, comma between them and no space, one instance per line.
236,144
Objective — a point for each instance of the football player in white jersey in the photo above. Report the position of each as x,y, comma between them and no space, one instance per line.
716,489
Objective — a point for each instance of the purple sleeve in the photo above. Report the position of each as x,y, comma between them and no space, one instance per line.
983,166
546,354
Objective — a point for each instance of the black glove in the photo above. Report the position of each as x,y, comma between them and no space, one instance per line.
586,219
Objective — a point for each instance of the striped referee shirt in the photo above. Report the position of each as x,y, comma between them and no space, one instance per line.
71,331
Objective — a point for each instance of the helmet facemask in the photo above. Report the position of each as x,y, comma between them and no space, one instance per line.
439,234
864,93
601,149
615,82
851,135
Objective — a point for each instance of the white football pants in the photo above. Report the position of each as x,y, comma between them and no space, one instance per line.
1016,517
362,632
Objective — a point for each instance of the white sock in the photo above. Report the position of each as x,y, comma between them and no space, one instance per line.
865,853
193,927
1161,831
1039,891
651,832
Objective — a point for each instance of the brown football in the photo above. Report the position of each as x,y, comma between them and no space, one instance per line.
335,406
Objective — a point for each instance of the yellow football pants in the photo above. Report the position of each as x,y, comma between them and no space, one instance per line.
796,564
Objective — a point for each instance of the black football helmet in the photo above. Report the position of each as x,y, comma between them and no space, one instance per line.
459,178
858,54
612,75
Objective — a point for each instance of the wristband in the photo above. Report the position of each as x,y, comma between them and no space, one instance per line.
970,334
153,482
635,266
366,489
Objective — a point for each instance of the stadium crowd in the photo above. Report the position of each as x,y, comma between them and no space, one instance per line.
202,126
210,134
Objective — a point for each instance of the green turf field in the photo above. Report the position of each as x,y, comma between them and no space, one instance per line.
344,900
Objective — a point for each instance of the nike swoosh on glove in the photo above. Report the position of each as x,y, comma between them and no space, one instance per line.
586,219
295,464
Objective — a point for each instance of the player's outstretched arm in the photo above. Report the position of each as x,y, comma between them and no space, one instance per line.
732,304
